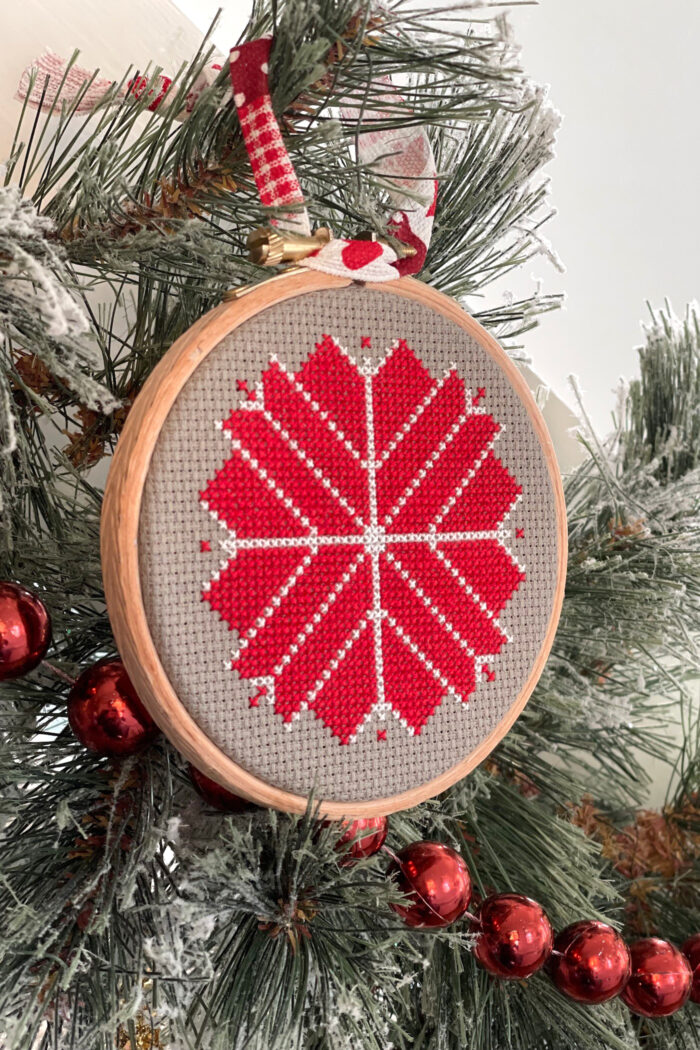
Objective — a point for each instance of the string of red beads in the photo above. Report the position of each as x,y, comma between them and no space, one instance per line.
513,938
361,838
588,961
691,950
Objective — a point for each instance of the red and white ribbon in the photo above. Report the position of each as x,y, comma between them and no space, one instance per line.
273,172
50,81
402,158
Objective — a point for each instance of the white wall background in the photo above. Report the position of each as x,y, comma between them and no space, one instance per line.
626,76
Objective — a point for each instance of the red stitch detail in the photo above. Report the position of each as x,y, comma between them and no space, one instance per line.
261,693
381,734
204,546
481,392
520,534
242,385
368,569
487,498
366,342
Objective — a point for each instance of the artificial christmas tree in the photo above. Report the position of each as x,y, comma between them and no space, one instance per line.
133,912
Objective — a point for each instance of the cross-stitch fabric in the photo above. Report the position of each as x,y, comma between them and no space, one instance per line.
348,544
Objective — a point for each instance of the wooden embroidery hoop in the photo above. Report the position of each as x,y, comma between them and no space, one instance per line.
120,530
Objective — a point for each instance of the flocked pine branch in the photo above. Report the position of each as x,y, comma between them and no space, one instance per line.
126,908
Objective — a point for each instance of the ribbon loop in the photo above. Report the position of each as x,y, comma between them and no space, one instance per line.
403,156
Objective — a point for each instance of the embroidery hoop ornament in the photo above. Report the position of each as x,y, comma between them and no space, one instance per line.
134,459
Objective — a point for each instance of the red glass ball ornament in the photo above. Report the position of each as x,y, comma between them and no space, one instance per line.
514,936
25,631
217,796
362,838
691,950
105,713
437,882
591,962
661,978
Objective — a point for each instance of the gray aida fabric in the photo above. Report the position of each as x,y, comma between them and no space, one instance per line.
348,544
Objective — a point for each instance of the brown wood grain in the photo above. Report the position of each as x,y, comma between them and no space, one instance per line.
120,530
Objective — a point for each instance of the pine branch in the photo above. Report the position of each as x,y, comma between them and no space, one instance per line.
125,904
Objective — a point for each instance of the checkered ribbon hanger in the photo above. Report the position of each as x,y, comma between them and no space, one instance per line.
402,157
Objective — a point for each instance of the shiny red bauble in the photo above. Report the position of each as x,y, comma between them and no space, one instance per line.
591,962
436,882
217,796
691,950
362,838
661,978
105,713
25,631
514,936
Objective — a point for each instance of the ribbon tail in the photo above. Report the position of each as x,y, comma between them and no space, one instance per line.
50,78
404,159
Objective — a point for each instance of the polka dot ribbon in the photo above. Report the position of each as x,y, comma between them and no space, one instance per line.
402,157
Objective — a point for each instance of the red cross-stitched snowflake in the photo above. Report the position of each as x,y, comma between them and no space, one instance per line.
364,510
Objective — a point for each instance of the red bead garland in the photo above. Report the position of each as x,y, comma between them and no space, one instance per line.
25,631
691,950
105,713
590,963
362,838
514,936
217,796
661,978
436,881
